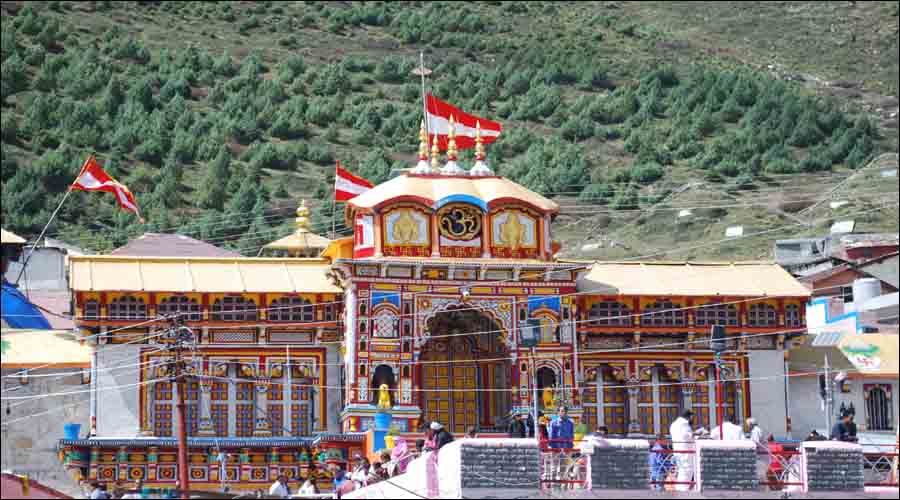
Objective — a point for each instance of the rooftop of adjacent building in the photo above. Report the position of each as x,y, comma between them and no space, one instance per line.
27,348
170,245
8,238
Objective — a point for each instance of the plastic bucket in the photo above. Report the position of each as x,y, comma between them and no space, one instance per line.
71,431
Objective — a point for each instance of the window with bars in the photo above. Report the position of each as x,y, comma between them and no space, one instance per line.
186,307
276,419
92,310
245,420
219,415
762,315
162,409
879,411
610,313
234,309
329,312
719,314
792,316
295,309
663,313
127,307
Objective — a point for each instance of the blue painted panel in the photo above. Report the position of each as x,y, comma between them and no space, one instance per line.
541,302
19,312
461,198
379,298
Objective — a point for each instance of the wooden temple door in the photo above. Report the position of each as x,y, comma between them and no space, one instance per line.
450,384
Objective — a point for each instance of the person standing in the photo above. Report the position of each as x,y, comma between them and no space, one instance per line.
517,428
763,460
682,433
659,465
728,432
561,434
309,488
441,436
98,492
280,487
845,429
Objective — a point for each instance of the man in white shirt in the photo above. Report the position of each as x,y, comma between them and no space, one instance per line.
728,432
763,459
682,434
279,488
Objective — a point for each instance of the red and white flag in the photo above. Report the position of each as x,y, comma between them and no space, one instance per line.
348,186
93,178
439,113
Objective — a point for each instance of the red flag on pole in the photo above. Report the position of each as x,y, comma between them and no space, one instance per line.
439,113
348,186
93,178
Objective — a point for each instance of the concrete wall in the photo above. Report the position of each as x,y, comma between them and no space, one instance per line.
333,391
46,270
31,429
620,464
833,466
726,466
118,395
767,401
806,405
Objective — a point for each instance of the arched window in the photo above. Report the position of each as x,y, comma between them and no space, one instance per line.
234,309
762,315
295,309
610,313
879,411
91,310
792,316
385,324
719,314
128,307
186,307
663,313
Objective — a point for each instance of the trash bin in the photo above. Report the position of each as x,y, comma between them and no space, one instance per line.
71,431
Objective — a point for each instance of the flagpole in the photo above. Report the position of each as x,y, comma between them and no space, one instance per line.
422,71
334,202
52,217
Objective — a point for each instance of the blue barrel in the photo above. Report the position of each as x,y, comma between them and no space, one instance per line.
382,421
71,431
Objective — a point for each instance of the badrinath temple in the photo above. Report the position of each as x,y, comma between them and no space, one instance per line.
448,270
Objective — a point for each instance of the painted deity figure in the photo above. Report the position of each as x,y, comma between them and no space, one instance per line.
384,397
547,397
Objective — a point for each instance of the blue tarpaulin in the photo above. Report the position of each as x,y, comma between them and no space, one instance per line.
19,312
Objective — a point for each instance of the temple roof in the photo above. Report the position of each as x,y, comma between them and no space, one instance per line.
302,238
438,190
170,245
753,279
200,274
8,238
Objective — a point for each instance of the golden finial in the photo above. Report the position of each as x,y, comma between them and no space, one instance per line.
451,141
302,220
423,142
435,153
479,144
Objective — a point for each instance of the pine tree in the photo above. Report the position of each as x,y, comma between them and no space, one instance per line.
213,190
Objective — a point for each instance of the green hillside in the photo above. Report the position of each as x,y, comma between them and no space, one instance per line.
221,116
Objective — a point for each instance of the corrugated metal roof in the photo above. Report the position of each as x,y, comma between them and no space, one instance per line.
50,348
209,275
170,245
692,279
8,238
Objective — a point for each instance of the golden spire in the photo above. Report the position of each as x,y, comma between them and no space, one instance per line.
302,220
479,144
423,142
435,153
451,141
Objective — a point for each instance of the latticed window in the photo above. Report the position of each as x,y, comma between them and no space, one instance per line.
792,316
663,313
234,309
181,305
295,309
610,313
879,411
128,307
719,314
762,315
219,415
91,310
162,409
276,419
245,420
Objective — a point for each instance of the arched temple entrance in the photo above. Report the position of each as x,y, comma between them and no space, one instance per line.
466,372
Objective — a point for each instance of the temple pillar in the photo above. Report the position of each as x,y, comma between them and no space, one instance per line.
245,465
147,421
485,236
205,426
152,462
122,463
273,463
634,394
687,392
262,427
94,463
379,251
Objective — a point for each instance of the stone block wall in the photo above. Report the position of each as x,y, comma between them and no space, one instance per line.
499,463
620,464
833,466
727,466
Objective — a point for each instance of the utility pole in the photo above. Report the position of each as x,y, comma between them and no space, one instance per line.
181,335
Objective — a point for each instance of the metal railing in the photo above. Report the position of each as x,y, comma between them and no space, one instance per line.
880,469
783,463
563,468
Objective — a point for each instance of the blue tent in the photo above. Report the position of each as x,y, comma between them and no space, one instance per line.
19,312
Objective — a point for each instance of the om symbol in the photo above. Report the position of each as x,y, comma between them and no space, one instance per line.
460,223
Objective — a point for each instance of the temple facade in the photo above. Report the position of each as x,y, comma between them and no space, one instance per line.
446,273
